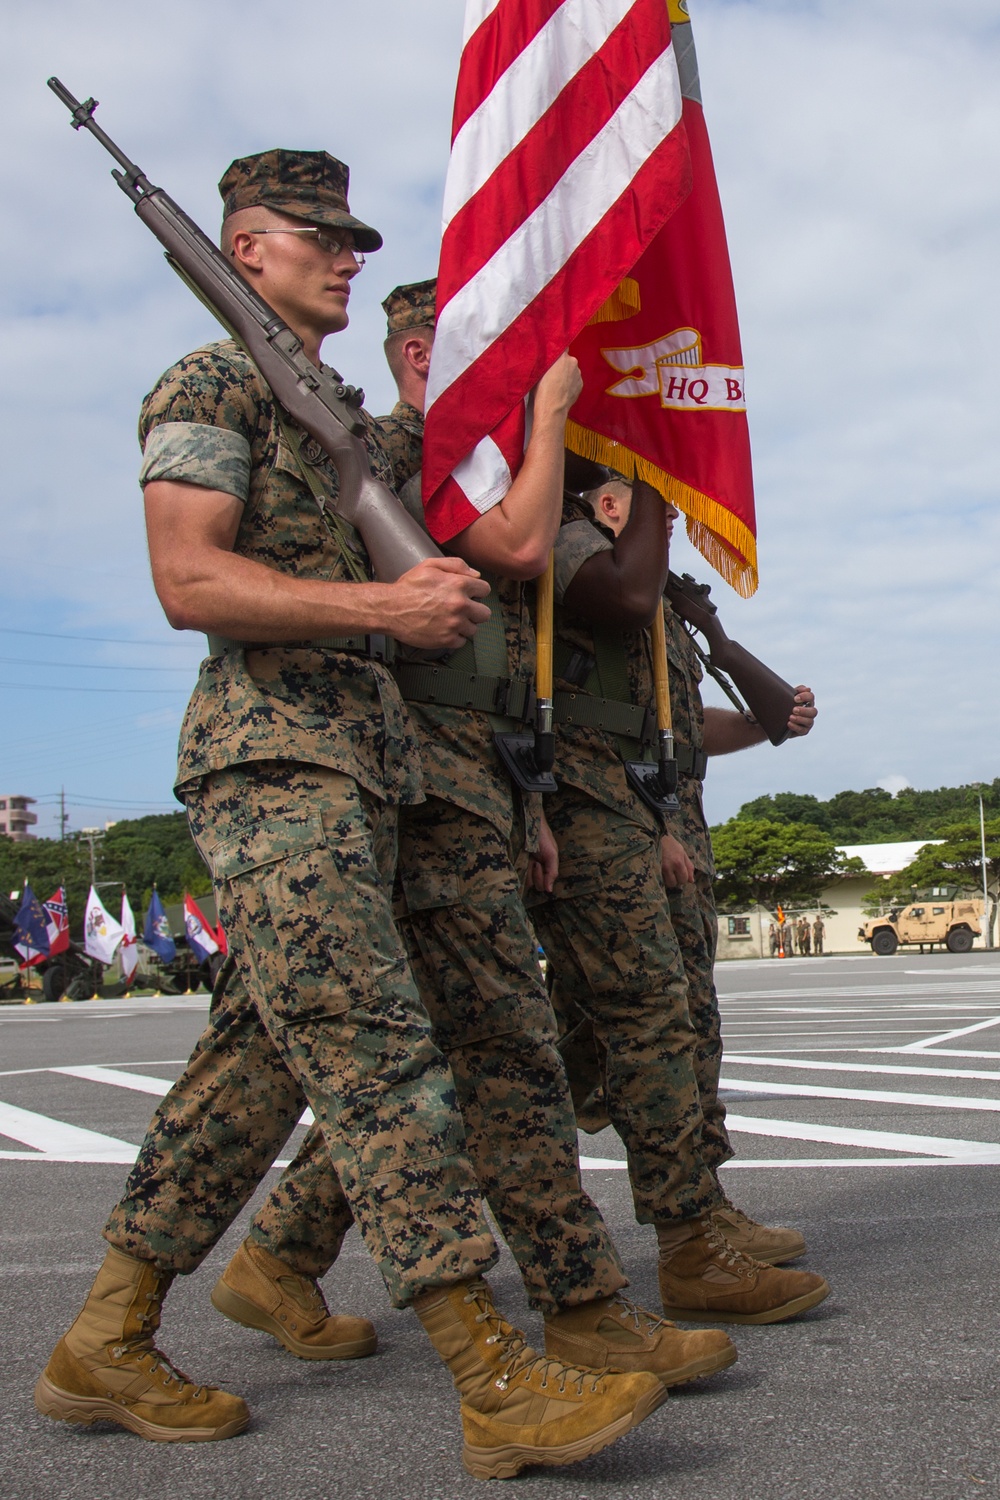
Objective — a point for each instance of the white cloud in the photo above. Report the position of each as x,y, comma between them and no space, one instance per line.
893,783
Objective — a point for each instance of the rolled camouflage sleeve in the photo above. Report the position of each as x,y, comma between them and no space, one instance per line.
197,423
576,543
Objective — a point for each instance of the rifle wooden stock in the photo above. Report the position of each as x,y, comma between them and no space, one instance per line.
316,399
769,697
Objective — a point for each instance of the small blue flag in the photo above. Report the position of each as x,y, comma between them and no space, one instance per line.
156,931
31,930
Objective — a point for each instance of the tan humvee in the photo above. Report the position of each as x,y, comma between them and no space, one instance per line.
953,923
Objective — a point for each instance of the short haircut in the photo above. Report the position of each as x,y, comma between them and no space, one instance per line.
393,347
591,497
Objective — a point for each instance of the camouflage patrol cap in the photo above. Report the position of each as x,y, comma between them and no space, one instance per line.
412,306
310,185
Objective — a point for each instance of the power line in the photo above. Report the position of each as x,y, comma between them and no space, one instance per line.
85,666
106,640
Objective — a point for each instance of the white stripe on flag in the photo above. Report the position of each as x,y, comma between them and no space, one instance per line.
484,476
533,82
524,265
476,12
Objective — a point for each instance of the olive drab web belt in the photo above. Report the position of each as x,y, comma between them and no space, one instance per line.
379,647
476,676
612,715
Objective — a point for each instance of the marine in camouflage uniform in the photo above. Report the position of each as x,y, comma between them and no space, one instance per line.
609,929
462,862
411,313
293,761
461,869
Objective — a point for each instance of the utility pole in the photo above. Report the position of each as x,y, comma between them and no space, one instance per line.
92,836
986,894
63,815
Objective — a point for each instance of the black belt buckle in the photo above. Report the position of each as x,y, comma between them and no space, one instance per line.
378,647
655,782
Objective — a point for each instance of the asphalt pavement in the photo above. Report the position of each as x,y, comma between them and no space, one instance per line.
864,1096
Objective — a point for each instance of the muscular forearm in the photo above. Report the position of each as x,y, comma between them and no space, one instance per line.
224,594
624,586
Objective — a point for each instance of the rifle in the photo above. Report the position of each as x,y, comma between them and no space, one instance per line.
318,400
769,698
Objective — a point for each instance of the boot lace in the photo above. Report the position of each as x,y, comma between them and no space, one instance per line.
142,1346
645,1323
518,1358
725,1252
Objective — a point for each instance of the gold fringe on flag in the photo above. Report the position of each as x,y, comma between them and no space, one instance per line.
725,541
625,301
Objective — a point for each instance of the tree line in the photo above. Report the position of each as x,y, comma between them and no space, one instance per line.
784,847
781,848
135,853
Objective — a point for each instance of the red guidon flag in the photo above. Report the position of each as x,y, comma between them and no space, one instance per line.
568,156
664,393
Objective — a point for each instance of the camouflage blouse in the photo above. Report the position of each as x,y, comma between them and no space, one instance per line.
211,421
591,759
402,434
459,758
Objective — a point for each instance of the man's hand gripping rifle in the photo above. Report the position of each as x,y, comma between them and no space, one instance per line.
769,699
316,399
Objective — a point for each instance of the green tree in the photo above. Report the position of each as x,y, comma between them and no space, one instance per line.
788,807
134,853
759,860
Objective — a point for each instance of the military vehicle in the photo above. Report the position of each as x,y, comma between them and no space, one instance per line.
926,923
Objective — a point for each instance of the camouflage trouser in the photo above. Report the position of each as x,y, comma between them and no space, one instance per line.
474,957
607,931
692,912
325,1011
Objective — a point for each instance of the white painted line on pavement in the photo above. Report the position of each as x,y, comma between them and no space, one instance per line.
56,1136
884,1140
869,1068
140,1083
951,1036
870,1161
863,1096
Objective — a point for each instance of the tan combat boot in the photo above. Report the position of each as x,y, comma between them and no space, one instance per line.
613,1332
764,1242
703,1277
107,1368
260,1291
519,1407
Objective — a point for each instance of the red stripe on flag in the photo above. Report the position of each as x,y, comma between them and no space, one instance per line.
479,398
525,178
492,48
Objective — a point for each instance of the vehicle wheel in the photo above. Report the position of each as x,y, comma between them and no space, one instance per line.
884,942
959,940
54,982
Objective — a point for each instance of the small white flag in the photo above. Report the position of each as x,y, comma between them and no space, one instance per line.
128,957
102,932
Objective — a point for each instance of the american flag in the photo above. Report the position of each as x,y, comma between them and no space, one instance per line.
568,156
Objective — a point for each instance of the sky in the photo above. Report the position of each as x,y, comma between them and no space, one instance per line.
858,153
